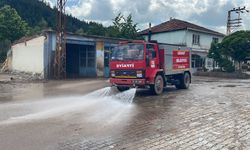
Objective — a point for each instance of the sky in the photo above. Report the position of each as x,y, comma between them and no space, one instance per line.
211,14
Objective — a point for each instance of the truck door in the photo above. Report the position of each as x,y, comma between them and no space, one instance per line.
152,56
152,61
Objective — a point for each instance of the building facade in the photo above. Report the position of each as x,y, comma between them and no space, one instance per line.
86,56
179,32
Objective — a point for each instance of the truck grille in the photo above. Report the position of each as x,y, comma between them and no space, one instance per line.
127,74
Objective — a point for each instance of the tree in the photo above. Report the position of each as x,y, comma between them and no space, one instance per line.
118,22
80,31
40,15
39,10
214,52
42,25
233,48
237,46
129,30
96,29
223,61
123,27
12,27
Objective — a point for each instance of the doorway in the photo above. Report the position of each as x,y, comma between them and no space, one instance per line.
80,60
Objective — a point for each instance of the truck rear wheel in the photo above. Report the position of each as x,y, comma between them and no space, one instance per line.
122,88
157,88
185,81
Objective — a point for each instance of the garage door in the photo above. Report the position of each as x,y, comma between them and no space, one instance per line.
80,60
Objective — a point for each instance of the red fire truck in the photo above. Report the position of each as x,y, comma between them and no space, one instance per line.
150,65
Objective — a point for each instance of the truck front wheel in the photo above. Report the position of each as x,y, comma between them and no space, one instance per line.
157,87
185,81
121,88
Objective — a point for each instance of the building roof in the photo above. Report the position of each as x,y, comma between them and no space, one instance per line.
98,37
175,25
95,37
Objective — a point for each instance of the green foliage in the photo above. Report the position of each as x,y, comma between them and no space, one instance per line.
215,52
118,22
40,16
80,31
12,27
123,27
129,29
16,21
227,65
235,46
42,25
96,29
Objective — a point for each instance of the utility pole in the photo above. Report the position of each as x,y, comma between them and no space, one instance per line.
235,23
60,54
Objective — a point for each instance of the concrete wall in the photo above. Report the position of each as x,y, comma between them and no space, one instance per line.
29,56
175,37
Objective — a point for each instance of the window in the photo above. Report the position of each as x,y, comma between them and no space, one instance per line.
215,40
196,39
128,52
197,61
151,51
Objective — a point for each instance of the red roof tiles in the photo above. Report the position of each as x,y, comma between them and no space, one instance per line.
175,24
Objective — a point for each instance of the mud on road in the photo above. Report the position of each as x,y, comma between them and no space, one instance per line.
212,114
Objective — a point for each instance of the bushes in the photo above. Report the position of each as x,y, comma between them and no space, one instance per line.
244,67
227,65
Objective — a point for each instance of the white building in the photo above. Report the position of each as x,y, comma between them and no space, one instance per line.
183,33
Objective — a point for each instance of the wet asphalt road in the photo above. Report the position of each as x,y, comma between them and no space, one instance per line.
212,114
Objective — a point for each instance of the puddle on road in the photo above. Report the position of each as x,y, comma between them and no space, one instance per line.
105,105
229,85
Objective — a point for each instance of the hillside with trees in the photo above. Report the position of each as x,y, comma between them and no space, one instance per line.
20,18
40,15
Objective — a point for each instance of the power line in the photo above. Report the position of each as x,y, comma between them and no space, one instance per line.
235,23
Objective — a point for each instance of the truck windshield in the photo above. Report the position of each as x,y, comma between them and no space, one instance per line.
128,52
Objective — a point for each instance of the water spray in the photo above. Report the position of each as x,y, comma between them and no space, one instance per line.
98,105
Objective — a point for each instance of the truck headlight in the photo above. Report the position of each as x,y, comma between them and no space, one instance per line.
139,74
112,73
